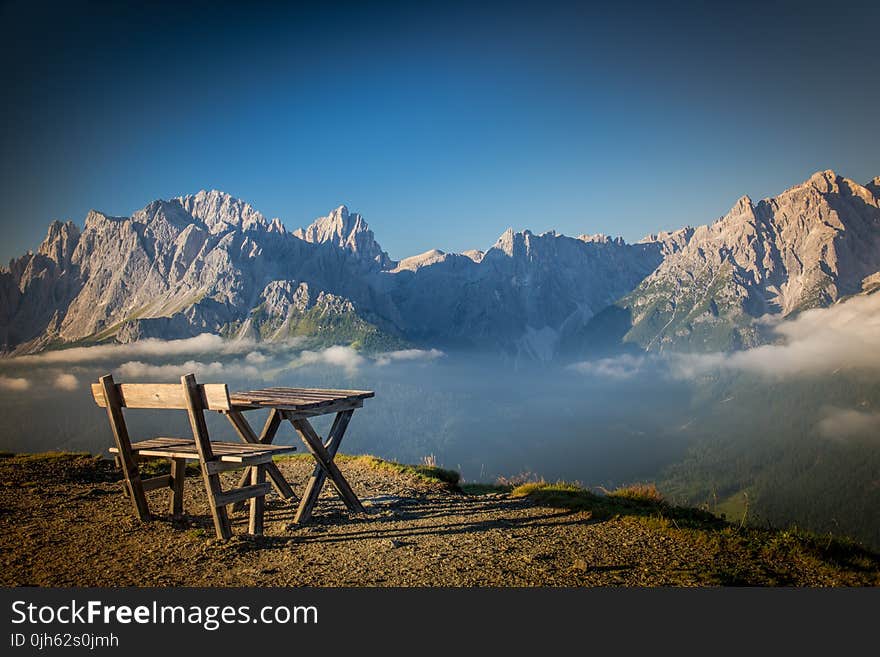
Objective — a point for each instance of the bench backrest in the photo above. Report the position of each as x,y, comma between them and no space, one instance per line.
187,395
213,396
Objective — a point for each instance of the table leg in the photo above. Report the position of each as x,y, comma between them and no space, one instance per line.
258,504
273,421
319,476
244,431
325,466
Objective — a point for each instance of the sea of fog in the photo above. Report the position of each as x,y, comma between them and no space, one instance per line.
484,416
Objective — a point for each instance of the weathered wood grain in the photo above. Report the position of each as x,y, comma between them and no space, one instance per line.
316,481
194,407
258,503
316,447
160,481
178,475
214,396
130,471
244,431
240,494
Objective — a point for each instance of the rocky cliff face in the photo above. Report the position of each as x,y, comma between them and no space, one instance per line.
807,247
523,295
347,231
210,262
173,269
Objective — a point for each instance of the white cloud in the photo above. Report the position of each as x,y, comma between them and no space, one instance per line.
425,355
847,424
624,366
256,357
843,336
14,384
206,343
173,371
66,381
344,357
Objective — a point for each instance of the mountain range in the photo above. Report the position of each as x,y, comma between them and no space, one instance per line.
212,263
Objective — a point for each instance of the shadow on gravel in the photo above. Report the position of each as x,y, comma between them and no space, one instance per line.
428,517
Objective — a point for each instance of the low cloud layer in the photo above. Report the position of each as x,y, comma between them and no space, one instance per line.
14,384
173,371
846,424
344,357
65,381
408,355
149,348
845,336
159,359
619,367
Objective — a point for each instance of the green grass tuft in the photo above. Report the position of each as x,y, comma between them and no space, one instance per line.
628,501
161,466
52,457
646,493
428,473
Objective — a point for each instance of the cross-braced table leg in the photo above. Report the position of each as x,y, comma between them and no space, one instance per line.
324,454
246,433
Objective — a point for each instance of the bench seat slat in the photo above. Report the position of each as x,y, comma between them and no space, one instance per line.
182,448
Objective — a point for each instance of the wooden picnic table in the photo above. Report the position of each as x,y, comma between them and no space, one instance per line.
297,406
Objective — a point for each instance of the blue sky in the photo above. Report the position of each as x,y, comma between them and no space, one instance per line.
441,124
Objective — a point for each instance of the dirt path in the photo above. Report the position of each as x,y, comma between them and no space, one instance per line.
65,522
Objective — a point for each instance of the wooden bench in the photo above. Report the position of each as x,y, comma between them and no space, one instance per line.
213,457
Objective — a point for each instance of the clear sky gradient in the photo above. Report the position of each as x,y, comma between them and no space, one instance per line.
443,125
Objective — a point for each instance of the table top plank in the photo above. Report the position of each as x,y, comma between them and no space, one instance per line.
297,399
291,395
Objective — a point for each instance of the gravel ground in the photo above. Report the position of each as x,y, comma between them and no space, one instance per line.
67,523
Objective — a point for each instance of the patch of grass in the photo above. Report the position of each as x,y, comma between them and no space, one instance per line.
303,455
751,555
561,494
629,501
160,466
646,493
53,457
428,473
736,554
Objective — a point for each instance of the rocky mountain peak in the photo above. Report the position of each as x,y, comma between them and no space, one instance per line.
221,211
741,214
809,246
743,204
413,263
824,181
506,241
169,213
61,240
161,273
346,230
601,238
